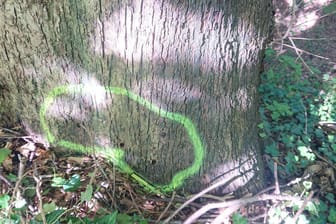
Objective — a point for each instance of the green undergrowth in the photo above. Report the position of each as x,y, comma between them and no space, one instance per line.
13,210
295,111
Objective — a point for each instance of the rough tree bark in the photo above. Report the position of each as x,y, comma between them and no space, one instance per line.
200,59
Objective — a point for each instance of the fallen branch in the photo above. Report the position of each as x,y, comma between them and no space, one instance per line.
167,207
210,188
303,206
238,203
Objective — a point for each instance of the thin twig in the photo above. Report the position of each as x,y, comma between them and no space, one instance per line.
258,217
206,190
309,20
218,198
293,182
304,51
108,180
38,194
167,207
304,204
4,179
276,180
239,202
94,175
290,26
16,191
224,216
312,39
299,55
306,118
325,160
11,131
291,22
130,191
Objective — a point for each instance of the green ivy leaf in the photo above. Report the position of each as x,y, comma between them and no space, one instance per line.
306,152
54,216
58,182
332,215
238,219
311,207
72,184
291,159
68,185
272,150
87,195
4,200
307,185
49,207
4,153
262,135
261,125
331,198
108,219
11,177
329,8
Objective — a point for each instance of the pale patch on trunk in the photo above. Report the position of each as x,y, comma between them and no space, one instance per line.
243,169
163,33
92,97
162,92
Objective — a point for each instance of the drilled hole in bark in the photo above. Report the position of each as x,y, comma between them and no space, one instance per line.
163,134
121,145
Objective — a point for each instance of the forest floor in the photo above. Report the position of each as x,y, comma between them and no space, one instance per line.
309,32
49,188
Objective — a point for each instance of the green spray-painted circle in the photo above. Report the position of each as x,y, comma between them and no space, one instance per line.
115,155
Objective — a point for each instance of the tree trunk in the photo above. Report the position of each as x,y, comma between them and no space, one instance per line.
167,90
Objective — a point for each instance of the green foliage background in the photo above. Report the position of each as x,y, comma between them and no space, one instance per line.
293,105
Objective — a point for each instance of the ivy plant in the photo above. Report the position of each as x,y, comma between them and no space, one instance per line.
293,105
298,125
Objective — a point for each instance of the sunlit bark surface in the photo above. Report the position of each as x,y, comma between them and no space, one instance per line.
196,58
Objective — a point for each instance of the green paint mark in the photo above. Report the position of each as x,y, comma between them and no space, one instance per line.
115,155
